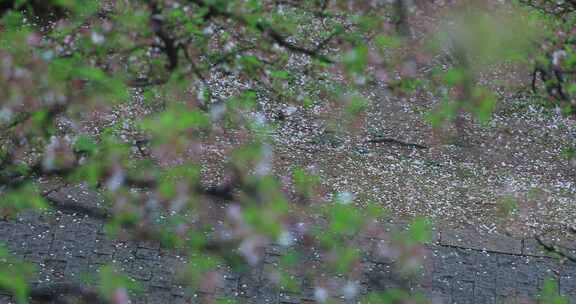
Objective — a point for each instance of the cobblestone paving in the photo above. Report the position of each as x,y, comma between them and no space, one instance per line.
67,248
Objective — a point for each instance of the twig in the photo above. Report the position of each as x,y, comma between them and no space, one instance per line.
555,249
396,142
263,28
69,207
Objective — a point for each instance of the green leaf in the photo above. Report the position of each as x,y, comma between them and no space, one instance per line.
196,240
454,76
550,293
346,257
90,172
344,219
482,105
12,20
419,230
90,73
304,182
23,198
291,258
326,238
39,117
375,210
288,281
244,101
445,112
356,105
262,220
111,280
61,69
104,83
225,301
393,296
281,74
171,177
17,4
174,121
120,220
196,268
410,84
246,157
307,102
355,60
368,23
570,61
250,64
507,205
571,89
568,153
384,42
85,144
14,275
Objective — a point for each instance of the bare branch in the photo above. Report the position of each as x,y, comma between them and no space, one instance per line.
396,142
554,248
265,29
71,207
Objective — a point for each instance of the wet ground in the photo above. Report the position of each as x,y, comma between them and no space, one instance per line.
68,248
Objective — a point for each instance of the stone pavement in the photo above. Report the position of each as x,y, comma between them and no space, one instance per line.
68,248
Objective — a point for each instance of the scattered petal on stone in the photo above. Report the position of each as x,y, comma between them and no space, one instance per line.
286,239
321,294
97,38
350,290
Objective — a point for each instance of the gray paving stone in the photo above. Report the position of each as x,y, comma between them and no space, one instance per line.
123,253
76,269
147,254
567,280
158,295
489,241
531,247
438,298
506,286
140,270
161,281
248,284
148,245
527,279
569,245
484,295
463,292
289,298
442,285
55,269
546,269
40,242
73,249
103,246
99,258
179,300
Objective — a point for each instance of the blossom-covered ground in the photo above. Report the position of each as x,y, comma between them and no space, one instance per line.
507,175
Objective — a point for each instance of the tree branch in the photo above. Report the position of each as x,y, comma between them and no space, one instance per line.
71,207
555,249
263,28
396,142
